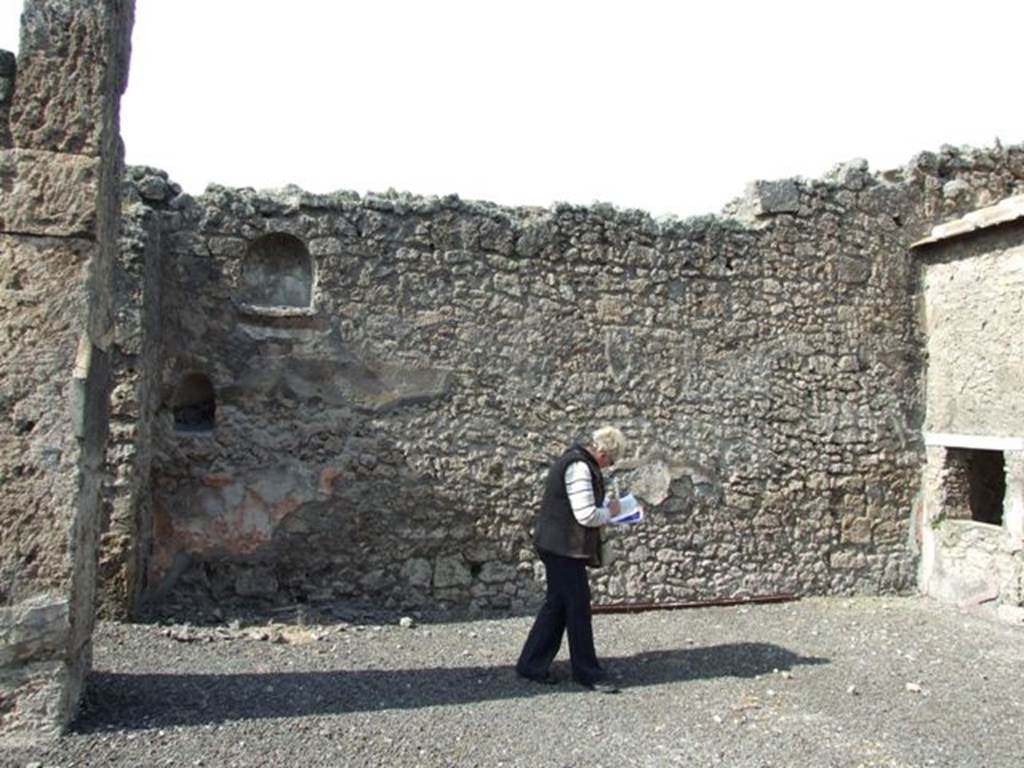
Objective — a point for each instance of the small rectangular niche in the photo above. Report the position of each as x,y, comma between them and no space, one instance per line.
978,477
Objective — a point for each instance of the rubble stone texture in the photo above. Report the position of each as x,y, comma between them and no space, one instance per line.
73,55
60,168
386,442
336,398
135,387
8,68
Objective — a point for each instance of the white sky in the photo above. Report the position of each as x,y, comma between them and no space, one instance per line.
666,105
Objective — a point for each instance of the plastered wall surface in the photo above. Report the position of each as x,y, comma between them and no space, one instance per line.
973,310
974,313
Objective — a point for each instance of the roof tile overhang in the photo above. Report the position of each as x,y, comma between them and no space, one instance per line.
1010,209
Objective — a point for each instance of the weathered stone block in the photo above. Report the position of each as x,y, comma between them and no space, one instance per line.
966,561
651,481
233,247
417,572
32,704
48,194
38,451
154,189
37,626
33,691
8,67
957,191
496,573
853,269
853,175
451,572
72,67
257,582
373,581
856,530
772,197
845,560
59,216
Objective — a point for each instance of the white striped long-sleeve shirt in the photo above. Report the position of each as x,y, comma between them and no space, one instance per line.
581,496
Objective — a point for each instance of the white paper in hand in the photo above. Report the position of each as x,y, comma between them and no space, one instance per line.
630,511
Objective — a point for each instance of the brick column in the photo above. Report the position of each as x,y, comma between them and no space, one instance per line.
60,177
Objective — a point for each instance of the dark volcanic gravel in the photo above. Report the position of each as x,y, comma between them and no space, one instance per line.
819,682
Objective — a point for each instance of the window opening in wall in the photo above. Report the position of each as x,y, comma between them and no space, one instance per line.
278,272
986,483
195,404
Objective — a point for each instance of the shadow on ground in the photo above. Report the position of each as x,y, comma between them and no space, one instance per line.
117,701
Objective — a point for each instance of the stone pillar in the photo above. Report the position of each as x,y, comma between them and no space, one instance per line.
1012,588
8,64
1013,502
59,211
932,498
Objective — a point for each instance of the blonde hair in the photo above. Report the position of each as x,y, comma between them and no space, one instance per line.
610,440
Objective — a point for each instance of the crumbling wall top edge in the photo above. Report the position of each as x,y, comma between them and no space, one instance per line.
762,200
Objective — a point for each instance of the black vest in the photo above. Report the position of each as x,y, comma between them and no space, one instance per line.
557,530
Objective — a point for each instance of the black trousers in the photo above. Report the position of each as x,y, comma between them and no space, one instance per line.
566,610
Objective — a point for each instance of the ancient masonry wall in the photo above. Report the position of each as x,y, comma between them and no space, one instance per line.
972,312
358,396
136,368
60,171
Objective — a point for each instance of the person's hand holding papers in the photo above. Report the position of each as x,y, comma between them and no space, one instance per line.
630,510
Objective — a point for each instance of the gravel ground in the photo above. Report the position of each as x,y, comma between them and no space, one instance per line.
818,682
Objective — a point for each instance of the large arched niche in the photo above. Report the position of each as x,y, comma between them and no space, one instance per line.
277,272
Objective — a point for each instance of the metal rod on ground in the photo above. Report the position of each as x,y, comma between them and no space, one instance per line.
710,603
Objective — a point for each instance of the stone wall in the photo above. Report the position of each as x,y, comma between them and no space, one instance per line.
964,560
60,171
136,283
8,68
385,439
324,398
972,297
